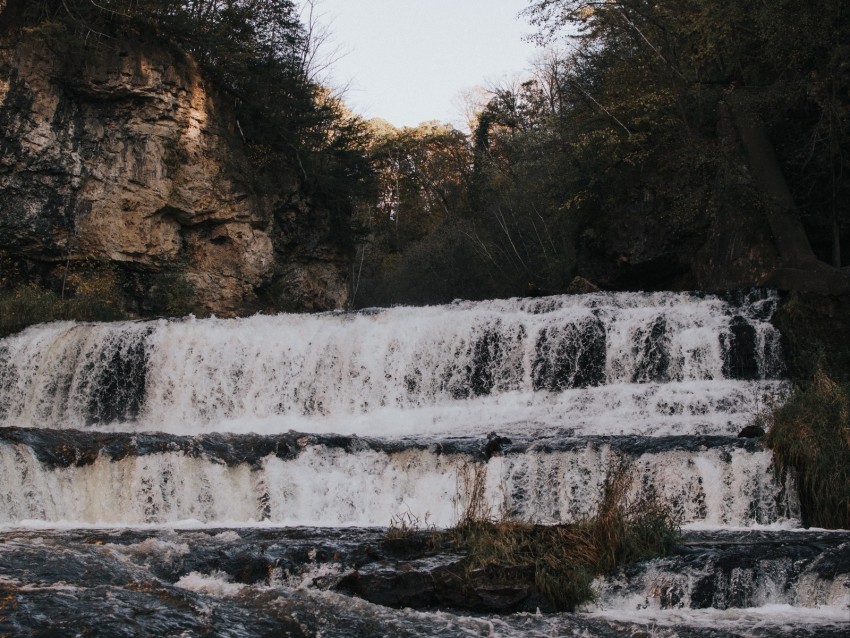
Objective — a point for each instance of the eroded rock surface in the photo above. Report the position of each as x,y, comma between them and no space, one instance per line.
127,156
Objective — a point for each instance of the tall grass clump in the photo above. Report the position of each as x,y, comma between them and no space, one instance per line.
566,558
810,434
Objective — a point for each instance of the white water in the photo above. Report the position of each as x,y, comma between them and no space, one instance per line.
547,373
665,586
775,618
601,364
326,487
658,360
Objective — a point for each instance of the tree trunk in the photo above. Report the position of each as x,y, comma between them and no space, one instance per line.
782,215
801,269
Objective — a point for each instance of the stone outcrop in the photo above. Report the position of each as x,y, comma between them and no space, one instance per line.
446,581
127,156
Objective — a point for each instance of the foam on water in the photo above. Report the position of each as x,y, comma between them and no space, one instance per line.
661,361
215,584
721,407
331,487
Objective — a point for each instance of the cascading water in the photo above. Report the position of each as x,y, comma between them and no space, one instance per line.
320,372
341,420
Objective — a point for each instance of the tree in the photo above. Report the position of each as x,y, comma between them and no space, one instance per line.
422,177
665,73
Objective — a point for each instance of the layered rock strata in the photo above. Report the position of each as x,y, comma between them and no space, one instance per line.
127,156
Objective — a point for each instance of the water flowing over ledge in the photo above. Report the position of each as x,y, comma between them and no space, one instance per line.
603,363
297,479
302,434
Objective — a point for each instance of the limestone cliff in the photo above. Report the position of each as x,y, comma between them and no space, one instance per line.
126,156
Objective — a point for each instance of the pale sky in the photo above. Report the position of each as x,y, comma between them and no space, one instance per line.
407,61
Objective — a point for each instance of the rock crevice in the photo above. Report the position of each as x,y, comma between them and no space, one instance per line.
129,157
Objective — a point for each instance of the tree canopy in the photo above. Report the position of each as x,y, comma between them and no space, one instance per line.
647,139
662,74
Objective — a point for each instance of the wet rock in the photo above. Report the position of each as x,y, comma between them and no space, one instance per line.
445,581
751,432
572,356
66,448
652,353
486,358
117,391
815,333
219,582
494,444
740,346
581,286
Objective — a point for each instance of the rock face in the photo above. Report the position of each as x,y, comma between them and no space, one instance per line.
128,157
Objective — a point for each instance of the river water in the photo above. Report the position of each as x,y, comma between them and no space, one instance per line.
196,477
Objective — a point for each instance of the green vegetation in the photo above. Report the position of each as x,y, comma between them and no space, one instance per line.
171,294
414,246
669,101
816,335
89,291
810,434
30,304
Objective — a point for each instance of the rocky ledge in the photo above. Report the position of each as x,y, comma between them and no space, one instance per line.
128,158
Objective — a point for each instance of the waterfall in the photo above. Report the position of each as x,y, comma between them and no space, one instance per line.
567,382
635,358
293,480
301,434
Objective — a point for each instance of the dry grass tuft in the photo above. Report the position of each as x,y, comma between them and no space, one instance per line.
566,558
810,434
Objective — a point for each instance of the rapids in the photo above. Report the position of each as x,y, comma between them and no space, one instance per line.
196,476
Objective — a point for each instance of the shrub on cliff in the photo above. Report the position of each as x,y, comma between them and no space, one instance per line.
30,304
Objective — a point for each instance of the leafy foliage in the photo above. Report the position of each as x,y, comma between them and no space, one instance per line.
171,294
625,120
417,244
811,435
30,304
660,72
